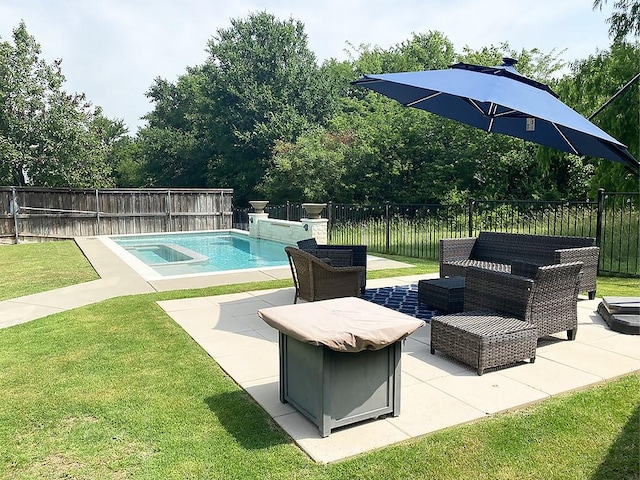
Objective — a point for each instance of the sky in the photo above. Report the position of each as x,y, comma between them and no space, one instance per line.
112,50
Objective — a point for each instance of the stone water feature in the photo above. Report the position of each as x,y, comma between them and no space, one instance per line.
286,231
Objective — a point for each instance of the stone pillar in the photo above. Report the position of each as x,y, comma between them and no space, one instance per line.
316,228
254,223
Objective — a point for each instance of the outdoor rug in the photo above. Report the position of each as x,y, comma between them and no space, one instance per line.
403,298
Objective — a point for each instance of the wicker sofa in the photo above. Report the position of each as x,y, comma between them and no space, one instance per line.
496,251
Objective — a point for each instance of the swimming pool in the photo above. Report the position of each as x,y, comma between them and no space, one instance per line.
189,253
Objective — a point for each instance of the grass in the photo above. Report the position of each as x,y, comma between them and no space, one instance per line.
37,267
118,390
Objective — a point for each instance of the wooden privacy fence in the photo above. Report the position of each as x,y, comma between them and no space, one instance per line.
38,213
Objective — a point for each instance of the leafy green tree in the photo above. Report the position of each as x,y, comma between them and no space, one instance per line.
312,169
625,18
593,82
175,147
262,85
47,136
218,124
126,160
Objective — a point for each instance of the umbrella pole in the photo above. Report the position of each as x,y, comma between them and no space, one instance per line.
615,95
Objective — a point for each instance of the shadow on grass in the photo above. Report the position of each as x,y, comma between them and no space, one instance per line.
623,459
246,421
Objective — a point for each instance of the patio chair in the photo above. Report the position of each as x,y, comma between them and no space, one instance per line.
546,296
316,279
358,257
505,314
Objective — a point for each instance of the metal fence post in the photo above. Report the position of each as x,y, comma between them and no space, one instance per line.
387,204
14,209
330,219
599,217
288,210
599,224
471,204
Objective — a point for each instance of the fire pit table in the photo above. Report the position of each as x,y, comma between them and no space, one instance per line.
340,359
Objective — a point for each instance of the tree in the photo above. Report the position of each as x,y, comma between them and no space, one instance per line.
592,82
47,136
262,85
312,169
625,18
175,146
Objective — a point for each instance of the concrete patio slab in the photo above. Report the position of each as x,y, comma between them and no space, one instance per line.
436,391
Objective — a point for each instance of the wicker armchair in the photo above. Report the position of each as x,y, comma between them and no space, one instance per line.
357,258
504,314
315,279
546,296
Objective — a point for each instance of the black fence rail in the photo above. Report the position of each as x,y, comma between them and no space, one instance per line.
416,230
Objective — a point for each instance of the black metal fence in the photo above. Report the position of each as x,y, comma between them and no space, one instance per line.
415,230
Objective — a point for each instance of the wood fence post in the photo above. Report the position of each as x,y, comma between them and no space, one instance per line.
170,229
97,213
14,209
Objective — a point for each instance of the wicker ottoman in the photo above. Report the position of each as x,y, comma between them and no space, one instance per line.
483,339
445,294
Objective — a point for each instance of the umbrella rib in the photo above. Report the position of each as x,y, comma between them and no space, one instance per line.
565,138
428,97
473,102
506,113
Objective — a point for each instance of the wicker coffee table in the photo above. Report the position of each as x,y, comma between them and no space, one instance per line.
483,339
444,294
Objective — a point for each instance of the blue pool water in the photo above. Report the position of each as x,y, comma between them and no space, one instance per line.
202,252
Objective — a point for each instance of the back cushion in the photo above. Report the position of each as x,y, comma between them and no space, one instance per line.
504,247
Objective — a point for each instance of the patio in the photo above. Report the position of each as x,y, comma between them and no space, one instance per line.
436,392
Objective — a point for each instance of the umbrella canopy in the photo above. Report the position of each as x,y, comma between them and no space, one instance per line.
499,99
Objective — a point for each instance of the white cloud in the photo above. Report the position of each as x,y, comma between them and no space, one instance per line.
113,49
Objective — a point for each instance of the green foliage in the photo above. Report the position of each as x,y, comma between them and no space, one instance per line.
312,169
263,86
126,163
625,18
420,52
593,82
174,148
531,63
47,136
260,116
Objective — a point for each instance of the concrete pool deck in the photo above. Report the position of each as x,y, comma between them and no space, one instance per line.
117,279
436,392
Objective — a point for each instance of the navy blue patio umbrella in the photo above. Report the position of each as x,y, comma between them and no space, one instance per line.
500,99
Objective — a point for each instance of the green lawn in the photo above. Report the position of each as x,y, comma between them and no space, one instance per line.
118,390
36,267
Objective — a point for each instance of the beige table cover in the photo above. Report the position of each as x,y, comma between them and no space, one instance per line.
343,324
